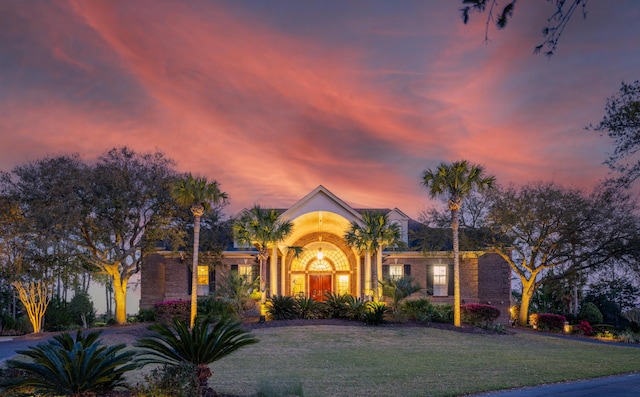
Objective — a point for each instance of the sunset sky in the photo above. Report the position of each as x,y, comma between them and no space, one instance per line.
273,98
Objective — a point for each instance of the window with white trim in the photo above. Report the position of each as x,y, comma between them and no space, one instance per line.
203,280
396,272
440,284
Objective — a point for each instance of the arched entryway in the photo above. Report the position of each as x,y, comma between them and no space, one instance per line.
326,264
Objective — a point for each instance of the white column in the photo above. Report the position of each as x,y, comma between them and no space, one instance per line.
273,276
367,272
358,275
379,267
283,279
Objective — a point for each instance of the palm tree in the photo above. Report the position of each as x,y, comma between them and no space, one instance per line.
198,194
371,236
263,229
456,181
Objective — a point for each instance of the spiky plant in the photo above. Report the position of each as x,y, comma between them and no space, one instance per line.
175,344
375,313
307,308
336,304
68,366
282,307
357,308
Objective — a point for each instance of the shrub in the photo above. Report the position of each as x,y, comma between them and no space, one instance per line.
215,308
168,310
337,305
418,309
81,310
375,313
356,308
282,307
629,337
146,316
398,289
590,312
66,366
545,321
584,328
633,316
442,313
57,317
203,345
307,308
478,314
172,380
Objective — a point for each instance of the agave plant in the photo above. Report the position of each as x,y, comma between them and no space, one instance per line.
64,366
282,307
307,308
337,305
202,345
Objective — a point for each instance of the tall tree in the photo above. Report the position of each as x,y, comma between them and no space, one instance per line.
370,236
548,232
126,208
501,13
456,181
621,123
198,194
264,229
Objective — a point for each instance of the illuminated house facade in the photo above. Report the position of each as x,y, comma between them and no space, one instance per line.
320,220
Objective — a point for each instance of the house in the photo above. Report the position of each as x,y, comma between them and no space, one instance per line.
327,263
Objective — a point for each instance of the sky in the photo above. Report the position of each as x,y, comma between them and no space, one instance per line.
273,98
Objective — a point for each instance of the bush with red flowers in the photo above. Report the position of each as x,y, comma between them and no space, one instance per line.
478,314
546,321
167,310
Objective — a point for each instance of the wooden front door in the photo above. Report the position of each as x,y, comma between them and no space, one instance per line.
318,285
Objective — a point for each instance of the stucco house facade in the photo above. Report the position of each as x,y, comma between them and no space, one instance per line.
327,263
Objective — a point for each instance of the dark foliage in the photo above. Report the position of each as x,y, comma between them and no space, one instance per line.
68,366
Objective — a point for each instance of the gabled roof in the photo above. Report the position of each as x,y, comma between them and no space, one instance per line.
321,199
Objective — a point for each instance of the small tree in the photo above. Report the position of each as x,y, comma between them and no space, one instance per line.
35,296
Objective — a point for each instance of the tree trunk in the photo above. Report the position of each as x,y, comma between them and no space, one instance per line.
456,268
120,295
194,271
367,274
528,288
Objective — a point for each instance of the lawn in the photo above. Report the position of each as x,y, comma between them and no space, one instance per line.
329,360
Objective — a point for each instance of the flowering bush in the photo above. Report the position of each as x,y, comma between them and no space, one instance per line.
584,328
547,321
167,310
478,314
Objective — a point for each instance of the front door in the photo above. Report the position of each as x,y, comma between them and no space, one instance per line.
318,285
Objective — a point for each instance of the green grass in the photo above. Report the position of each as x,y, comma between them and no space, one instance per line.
371,361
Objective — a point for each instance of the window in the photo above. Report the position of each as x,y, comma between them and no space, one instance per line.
396,272
343,284
203,280
440,284
246,272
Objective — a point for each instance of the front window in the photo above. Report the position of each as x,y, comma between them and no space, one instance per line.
396,272
440,280
203,280
246,272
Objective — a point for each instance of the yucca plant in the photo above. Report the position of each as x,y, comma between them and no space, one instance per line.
337,304
282,307
356,308
375,313
202,345
307,308
71,367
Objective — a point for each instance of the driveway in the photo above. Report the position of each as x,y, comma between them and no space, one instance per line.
627,385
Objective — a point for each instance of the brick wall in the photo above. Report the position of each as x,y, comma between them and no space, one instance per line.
494,276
